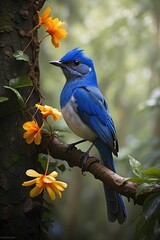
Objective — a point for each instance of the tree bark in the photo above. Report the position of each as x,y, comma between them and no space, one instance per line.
19,216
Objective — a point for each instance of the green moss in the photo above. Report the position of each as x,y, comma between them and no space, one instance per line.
6,21
8,161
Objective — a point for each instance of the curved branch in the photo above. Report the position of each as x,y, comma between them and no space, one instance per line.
126,188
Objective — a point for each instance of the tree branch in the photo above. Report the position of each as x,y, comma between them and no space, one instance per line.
60,151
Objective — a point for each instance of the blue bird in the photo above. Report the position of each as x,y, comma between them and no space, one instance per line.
86,113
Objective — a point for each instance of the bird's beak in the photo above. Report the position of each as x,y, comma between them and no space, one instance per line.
57,63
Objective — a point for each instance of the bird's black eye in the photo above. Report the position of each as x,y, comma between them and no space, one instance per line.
76,63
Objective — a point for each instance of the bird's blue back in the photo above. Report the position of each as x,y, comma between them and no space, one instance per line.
81,99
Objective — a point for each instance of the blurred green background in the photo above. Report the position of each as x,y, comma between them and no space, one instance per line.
122,37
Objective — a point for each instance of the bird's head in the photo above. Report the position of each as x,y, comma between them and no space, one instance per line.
75,64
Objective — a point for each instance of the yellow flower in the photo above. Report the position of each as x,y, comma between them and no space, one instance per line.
54,28
33,132
47,110
47,182
45,16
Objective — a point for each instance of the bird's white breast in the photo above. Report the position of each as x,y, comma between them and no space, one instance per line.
74,122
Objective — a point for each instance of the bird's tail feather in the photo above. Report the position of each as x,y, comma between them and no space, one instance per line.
115,206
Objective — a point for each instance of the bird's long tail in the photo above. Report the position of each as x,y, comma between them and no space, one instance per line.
115,205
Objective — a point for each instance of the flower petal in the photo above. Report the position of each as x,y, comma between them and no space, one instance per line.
45,15
36,191
51,179
29,137
37,138
56,114
33,173
61,185
48,110
50,193
53,174
29,183
32,132
60,33
53,27
55,22
46,12
55,40
53,186
26,134
47,179
27,125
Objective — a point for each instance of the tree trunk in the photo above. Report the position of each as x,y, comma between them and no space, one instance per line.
19,215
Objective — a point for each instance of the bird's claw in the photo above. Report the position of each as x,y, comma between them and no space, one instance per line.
86,161
83,162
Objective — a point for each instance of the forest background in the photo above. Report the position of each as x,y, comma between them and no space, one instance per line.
122,37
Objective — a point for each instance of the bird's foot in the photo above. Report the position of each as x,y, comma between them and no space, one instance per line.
83,162
86,161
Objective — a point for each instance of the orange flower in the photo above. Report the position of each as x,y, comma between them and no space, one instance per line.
33,132
47,110
54,28
45,16
47,182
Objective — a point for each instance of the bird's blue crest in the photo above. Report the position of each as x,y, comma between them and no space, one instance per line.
77,54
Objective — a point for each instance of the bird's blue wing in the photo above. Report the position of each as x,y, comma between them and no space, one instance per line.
93,111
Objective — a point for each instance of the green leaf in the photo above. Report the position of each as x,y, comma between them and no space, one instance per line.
21,81
61,167
21,56
42,159
142,180
135,166
3,99
20,99
151,172
52,165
